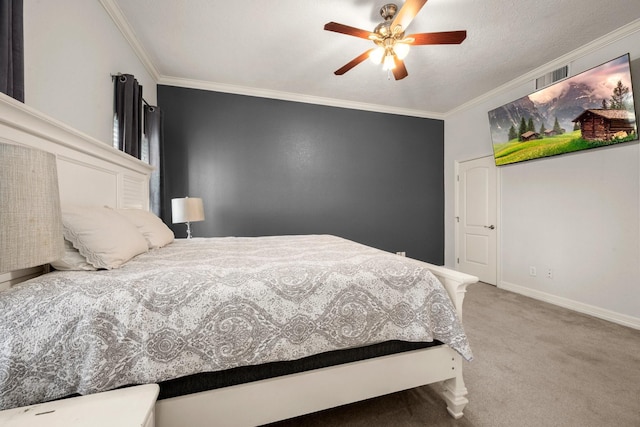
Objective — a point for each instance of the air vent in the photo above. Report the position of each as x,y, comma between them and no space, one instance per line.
552,77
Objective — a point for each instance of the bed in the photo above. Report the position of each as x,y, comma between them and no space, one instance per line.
92,174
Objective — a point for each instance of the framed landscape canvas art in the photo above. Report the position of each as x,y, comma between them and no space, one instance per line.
589,110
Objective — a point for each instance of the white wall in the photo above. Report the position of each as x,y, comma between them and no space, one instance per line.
578,214
71,49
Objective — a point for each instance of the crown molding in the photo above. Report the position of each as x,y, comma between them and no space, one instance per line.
123,25
295,97
529,77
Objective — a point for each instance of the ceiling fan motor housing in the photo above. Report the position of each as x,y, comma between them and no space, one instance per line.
388,11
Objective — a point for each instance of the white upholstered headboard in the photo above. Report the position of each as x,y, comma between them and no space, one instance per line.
90,172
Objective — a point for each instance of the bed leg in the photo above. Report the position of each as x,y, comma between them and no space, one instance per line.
454,394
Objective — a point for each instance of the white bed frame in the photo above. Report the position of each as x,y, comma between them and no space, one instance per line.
93,173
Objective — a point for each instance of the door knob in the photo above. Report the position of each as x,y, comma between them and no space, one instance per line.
490,227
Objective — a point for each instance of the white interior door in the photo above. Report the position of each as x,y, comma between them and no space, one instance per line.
476,219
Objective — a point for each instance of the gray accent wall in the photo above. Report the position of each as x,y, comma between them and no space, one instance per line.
272,167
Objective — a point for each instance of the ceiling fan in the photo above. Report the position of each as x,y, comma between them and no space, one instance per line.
391,44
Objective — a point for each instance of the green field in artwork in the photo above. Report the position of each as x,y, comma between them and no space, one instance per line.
517,151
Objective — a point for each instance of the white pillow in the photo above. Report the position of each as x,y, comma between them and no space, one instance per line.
103,236
150,226
72,260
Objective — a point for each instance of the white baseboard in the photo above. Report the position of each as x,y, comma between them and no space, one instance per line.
601,313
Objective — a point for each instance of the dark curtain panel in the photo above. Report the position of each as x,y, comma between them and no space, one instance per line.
11,49
127,119
153,131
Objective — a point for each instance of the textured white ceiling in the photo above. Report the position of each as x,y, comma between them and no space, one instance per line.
279,48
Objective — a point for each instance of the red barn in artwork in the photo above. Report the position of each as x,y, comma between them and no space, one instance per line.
603,125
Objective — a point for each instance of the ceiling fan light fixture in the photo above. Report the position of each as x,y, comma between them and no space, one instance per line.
401,50
389,37
376,55
389,63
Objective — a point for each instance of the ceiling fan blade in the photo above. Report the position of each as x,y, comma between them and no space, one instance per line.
350,31
400,71
349,65
406,14
444,37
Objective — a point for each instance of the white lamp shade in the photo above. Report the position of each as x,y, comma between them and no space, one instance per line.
401,50
30,217
376,55
187,209
388,63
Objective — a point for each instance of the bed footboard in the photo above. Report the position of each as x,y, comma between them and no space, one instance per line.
455,283
453,390
306,392
320,389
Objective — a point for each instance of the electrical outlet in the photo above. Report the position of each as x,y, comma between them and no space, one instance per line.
532,272
549,274
403,253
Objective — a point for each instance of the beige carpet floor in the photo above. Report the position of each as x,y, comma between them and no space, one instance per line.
535,364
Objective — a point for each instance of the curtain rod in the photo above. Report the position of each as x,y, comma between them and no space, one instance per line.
113,76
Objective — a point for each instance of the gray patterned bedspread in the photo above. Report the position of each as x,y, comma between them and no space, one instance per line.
209,305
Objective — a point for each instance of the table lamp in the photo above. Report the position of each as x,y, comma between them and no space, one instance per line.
187,210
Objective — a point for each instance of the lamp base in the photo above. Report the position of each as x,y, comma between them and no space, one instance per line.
188,230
